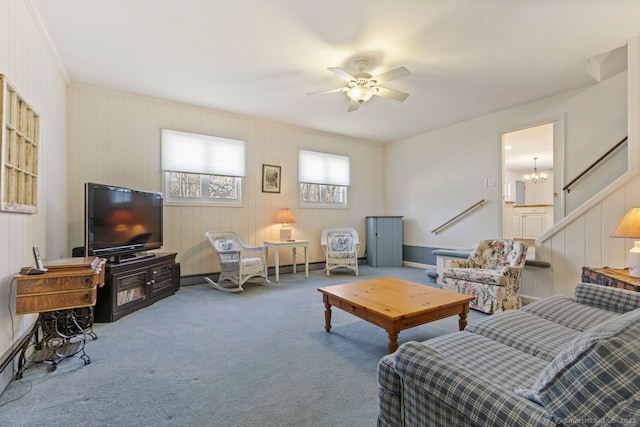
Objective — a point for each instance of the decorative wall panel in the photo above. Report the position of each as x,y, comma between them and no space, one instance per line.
20,140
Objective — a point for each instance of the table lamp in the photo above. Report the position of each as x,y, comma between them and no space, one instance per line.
285,217
629,228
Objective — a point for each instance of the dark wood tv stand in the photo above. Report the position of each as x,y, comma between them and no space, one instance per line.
121,259
135,283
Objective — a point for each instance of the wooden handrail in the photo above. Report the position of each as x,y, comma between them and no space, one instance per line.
592,165
455,218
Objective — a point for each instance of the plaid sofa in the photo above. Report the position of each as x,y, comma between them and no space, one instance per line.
556,362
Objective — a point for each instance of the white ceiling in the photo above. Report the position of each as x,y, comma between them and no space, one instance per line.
262,57
523,145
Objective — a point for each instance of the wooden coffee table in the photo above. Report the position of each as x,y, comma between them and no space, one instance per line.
394,304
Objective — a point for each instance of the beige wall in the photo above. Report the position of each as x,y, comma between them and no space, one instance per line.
27,62
445,170
433,176
114,138
582,238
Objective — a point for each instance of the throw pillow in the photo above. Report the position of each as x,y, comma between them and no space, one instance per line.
596,372
224,245
340,242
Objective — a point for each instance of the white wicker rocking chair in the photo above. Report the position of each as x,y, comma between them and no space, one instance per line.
238,261
340,246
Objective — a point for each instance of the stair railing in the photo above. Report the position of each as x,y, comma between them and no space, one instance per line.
460,215
594,164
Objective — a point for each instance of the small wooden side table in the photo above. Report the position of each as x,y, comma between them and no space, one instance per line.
614,277
293,244
63,297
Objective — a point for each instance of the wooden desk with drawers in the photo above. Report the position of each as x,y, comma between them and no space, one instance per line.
63,297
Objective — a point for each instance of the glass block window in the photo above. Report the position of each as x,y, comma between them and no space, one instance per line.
223,187
190,188
324,179
185,185
322,194
202,169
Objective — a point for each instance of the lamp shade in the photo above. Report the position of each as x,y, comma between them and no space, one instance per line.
629,227
284,216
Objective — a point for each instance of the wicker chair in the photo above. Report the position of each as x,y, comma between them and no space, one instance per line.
340,246
491,274
238,262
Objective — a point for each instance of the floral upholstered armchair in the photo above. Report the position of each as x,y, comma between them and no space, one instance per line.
340,246
491,273
238,261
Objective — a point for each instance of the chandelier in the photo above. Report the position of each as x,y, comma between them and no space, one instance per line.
535,178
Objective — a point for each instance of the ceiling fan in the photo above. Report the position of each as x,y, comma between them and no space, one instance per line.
362,86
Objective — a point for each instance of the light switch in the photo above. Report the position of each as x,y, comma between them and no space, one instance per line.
491,182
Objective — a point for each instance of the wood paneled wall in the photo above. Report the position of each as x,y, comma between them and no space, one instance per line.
585,241
114,138
28,62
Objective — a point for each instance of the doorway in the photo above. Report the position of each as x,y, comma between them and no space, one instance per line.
528,178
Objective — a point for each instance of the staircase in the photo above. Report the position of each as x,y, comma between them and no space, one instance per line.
581,238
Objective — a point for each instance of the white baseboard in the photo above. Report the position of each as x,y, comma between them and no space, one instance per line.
418,265
526,299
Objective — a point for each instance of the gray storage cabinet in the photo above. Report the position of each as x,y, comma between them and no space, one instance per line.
384,241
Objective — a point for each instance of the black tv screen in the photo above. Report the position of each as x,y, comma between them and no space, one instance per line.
121,220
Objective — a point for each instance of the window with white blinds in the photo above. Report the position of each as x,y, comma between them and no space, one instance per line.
202,169
323,179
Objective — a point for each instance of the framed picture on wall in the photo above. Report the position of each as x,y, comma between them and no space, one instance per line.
270,179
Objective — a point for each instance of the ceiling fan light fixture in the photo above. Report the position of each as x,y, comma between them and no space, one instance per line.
361,86
361,93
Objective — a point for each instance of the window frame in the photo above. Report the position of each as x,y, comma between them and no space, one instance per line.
324,163
203,200
320,203
207,149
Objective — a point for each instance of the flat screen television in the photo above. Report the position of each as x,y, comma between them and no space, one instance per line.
121,221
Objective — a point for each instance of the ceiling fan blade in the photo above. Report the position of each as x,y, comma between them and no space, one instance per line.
353,105
391,75
341,73
340,89
391,94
